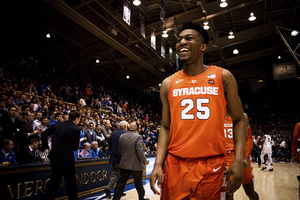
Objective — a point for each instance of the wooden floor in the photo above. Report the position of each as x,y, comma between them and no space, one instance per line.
281,184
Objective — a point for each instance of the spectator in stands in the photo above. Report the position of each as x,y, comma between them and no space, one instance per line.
52,118
101,137
10,127
7,155
27,125
8,103
82,102
104,151
29,155
40,152
90,134
82,138
96,119
65,116
94,150
36,104
42,127
86,152
106,129
58,117
37,119
2,104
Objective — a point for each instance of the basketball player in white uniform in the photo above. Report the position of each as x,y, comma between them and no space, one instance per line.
267,149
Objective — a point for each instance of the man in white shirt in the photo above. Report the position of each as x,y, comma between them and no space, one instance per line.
267,149
37,121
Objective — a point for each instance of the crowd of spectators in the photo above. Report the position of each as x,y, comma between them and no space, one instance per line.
32,101
33,98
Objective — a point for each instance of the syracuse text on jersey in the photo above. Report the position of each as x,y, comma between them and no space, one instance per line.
228,125
195,91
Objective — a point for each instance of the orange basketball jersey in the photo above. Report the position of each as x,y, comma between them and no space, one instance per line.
249,143
197,110
228,132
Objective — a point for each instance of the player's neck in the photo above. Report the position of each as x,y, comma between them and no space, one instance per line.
194,69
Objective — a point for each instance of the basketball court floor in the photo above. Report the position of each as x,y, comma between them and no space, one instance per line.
281,184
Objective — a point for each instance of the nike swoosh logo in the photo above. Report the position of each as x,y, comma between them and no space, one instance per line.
179,81
214,169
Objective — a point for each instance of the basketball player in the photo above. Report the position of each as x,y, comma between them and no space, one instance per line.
295,144
192,131
267,149
248,178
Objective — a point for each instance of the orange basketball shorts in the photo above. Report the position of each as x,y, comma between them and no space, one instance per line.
247,172
229,158
193,178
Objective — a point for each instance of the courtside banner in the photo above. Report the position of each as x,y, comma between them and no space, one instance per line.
32,181
284,71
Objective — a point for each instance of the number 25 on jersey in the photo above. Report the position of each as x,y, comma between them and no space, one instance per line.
203,112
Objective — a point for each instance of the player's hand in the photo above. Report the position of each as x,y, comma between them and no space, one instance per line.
156,175
246,162
236,172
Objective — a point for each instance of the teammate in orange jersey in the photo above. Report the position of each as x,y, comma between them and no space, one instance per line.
248,178
192,131
295,143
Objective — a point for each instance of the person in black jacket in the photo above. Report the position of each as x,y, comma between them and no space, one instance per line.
65,139
10,128
115,156
28,153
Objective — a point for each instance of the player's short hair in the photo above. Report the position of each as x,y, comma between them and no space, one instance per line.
197,27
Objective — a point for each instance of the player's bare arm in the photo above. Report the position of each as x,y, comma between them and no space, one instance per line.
235,109
163,140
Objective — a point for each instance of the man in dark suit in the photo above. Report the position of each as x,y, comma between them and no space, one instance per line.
65,139
133,162
28,154
90,134
115,156
10,128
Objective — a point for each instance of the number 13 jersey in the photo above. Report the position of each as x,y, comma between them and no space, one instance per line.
197,110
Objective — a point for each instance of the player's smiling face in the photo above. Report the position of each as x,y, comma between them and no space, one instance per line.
189,45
